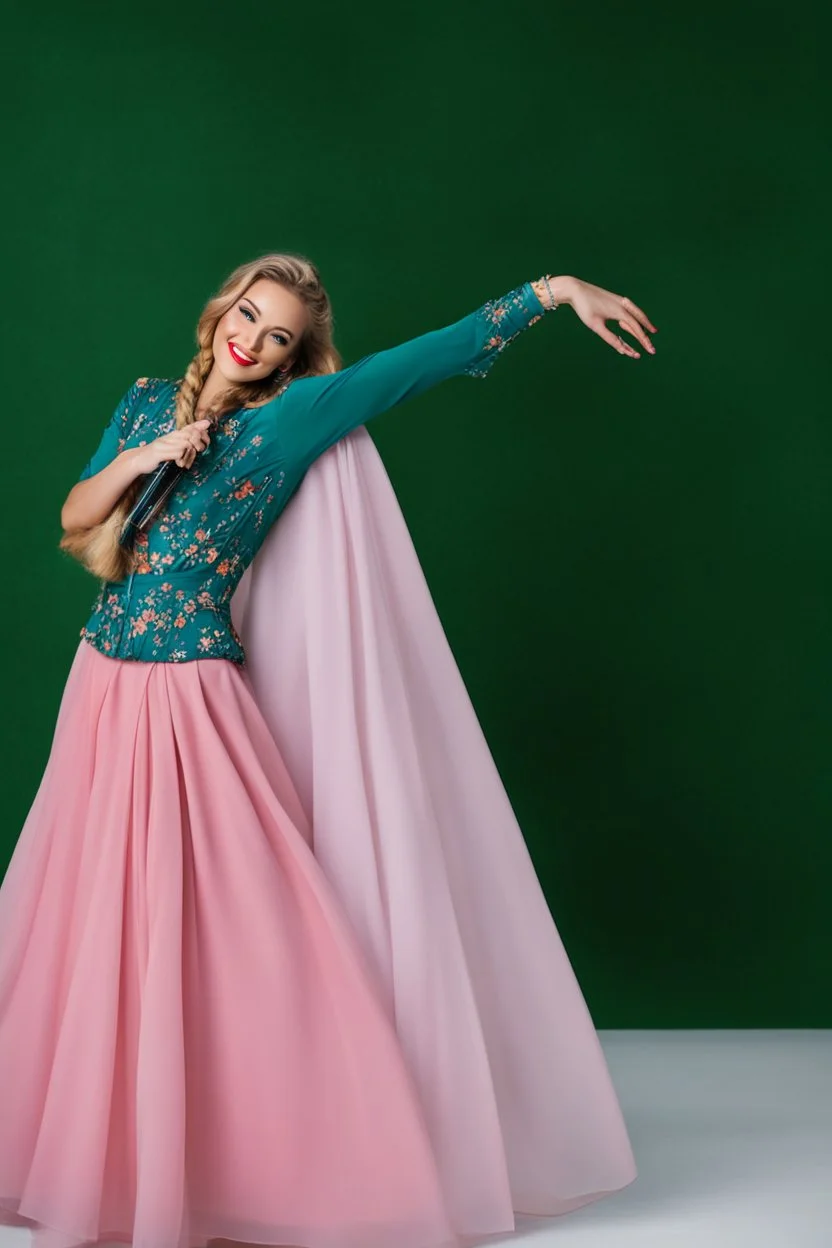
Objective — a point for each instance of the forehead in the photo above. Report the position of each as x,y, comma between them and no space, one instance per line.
277,304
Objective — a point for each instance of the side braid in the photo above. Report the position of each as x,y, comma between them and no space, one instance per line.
196,374
97,547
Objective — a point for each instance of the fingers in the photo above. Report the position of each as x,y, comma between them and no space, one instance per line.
195,435
183,445
633,327
181,438
197,441
187,457
190,453
618,344
635,311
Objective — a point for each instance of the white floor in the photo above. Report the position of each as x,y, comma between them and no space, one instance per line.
732,1132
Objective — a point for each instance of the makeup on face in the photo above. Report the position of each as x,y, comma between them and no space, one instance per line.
245,361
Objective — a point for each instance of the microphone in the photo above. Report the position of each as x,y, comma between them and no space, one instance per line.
160,485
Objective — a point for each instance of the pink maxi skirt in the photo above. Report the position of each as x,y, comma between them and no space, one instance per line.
190,1046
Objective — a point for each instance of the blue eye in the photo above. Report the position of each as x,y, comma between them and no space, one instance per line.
277,337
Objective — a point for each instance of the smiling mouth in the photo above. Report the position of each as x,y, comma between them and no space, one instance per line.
239,356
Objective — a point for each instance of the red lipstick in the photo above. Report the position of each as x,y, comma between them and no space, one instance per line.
238,359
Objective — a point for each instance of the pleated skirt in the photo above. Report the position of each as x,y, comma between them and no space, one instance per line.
191,1043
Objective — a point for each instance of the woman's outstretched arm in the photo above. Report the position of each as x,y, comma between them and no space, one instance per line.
316,412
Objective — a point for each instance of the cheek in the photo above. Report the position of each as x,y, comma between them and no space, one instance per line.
226,328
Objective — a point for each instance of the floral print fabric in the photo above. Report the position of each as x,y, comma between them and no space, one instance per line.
175,606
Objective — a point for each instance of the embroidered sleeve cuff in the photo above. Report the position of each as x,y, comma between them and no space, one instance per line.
501,321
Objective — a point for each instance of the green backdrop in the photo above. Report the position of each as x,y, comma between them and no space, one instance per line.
629,557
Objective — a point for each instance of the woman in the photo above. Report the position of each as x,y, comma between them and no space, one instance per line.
206,1028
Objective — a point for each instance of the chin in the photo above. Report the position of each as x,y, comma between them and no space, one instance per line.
240,376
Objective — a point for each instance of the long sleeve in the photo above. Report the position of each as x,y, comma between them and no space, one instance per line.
316,411
115,432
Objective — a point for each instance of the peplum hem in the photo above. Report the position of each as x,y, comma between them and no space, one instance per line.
170,616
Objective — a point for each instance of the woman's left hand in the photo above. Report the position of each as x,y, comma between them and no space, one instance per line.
595,306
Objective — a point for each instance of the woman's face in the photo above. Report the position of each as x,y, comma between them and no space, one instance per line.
259,333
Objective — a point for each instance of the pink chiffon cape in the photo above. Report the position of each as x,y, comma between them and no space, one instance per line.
411,824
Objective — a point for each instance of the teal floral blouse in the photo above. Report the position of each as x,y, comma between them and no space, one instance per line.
175,606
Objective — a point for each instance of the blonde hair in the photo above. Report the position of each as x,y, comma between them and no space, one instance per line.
97,548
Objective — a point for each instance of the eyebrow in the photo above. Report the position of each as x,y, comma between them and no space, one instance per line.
259,313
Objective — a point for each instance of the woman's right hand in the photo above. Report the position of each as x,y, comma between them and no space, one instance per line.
182,445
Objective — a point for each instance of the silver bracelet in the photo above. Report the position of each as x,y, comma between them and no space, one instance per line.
549,290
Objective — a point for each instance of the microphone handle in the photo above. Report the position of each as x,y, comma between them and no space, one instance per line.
160,485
